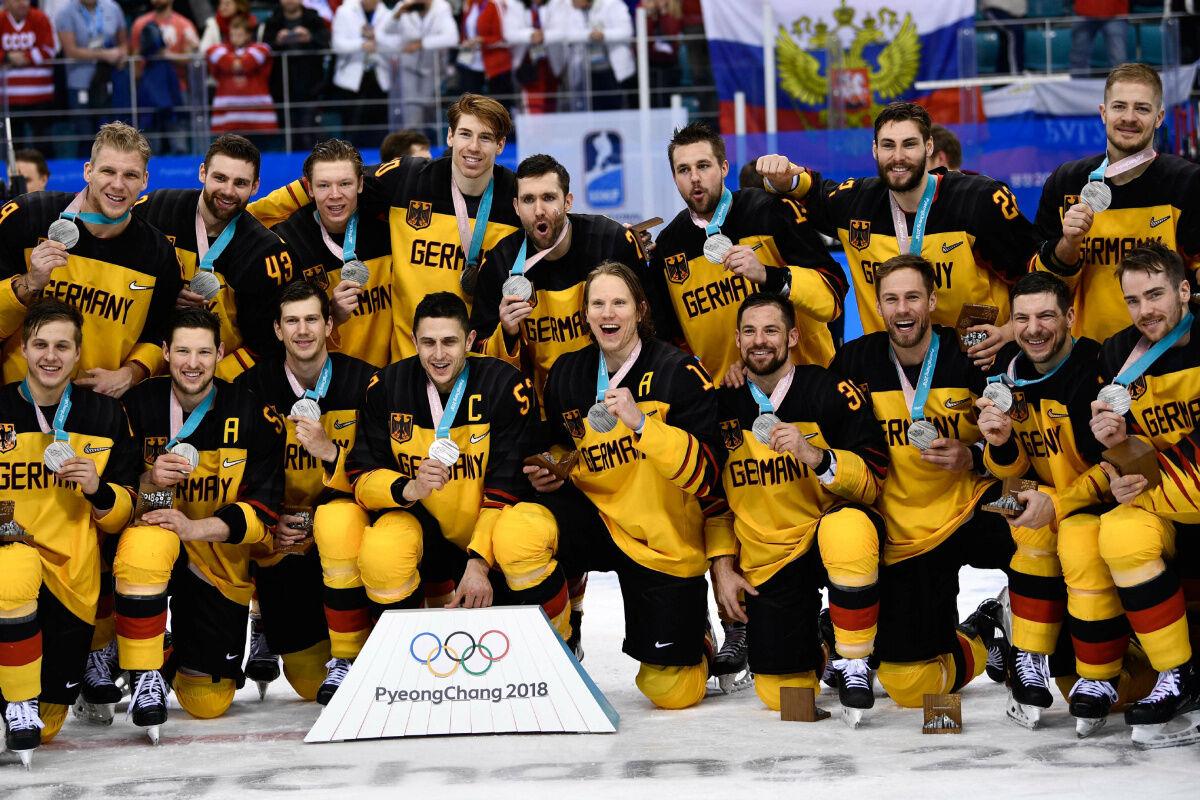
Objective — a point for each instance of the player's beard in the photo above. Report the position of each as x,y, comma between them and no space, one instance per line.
1061,338
1170,320
914,179
207,198
556,224
776,361
912,336
1139,146
706,207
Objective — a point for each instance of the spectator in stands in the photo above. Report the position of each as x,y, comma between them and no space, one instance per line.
26,44
181,42
216,28
947,150
1011,58
404,143
484,61
1103,16
664,23
31,165
296,33
600,31
427,32
168,42
532,73
242,70
93,33
362,74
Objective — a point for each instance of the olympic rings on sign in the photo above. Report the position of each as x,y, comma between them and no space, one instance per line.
458,656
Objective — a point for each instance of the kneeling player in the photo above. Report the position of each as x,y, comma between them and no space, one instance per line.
801,444
643,417
438,457
49,556
217,452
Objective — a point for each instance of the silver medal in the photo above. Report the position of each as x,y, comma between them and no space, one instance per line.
1000,395
56,454
1096,195
716,247
1117,397
306,408
205,284
185,450
600,419
921,434
356,271
763,425
517,286
445,451
64,231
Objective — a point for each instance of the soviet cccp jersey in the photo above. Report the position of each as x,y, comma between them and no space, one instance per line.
976,238
367,334
427,255
922,503
239,478
125,287
1160,205
557,324
648,488
251,269
57,513
704,297
776,501
492,428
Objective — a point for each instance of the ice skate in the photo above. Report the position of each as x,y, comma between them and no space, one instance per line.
22,729
148,703
99,694
1170,715
1029,688
337,669
262,666
730,665
1090,703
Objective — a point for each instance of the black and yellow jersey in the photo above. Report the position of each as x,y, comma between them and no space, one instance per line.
251,269
976,238
239,478
557,324
58,514
648,488
426,253
776,501
276,206
367,335
493,429
1051,435
1160,205
125,287
1177,497
922,503
698,300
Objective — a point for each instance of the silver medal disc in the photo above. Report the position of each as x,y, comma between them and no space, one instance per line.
921,434
205,284
517,286
187,451
445,451
306,408
1000,395
1117,397
55,454
64,231
763,425
1096,195
716,247
600,419
356,271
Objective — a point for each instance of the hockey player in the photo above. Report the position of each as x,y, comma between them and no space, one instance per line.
214,454
1094,210
642,416
806,459
66,460
438,460
967,226
233,265
317,394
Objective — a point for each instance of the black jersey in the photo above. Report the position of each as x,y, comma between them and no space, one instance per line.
125,287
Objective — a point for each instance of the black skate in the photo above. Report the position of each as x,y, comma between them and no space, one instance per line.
148,703
1090,703
574,644
1029,688
22,729
730,665
853,679
262,666
99,693
987,622
825,629
1170,715
337,669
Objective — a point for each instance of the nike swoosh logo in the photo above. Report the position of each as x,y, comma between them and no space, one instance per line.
661,645
946,248
1154,223
1057,415
339,425
479,438
137,287
72,685
651,413
231,656
87,448
227,463
957,403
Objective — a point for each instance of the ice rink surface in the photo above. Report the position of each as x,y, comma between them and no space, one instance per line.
728,747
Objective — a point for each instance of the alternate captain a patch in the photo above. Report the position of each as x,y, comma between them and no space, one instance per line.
860,233
419,215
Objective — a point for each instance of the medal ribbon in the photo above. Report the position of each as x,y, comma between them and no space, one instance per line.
209,255
1144,355
179,428
602,379
349,241
1010,374
323,381
914,244
916,397
60,416
444,417
72,212
522,265
767,405
465,234
718,217
1124,165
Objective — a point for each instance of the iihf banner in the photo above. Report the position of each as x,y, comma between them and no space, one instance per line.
884,48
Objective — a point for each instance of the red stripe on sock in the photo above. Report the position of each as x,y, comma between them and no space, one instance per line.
555,605
1159,615
1035,610
347,621
18,654
1100,653
854,619
964,644
141,627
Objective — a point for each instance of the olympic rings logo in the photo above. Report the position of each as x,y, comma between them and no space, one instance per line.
461,656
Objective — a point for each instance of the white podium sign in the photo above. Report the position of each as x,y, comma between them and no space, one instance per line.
439,672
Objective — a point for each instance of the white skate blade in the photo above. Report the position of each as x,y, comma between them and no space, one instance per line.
1086,727
152,734
93,713
262,689
852,717
1184,729
26,757
731,683
1028,717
